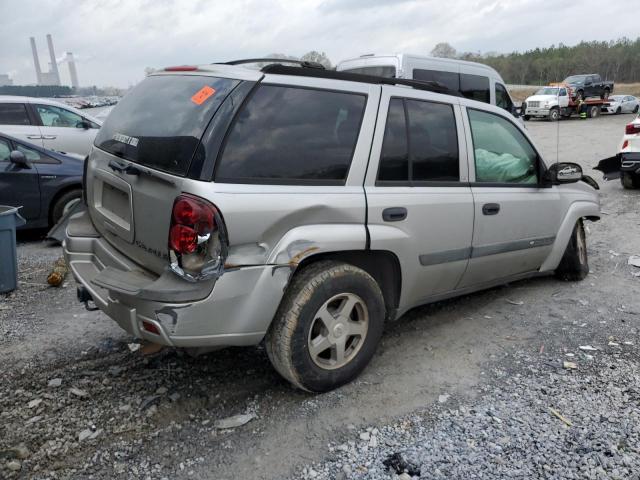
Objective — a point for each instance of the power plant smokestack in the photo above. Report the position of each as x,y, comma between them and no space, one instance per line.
36,62
73,73
54,65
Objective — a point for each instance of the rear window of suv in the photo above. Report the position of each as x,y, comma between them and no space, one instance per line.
160,122
292,135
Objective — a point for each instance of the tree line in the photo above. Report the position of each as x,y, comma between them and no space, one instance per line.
617,60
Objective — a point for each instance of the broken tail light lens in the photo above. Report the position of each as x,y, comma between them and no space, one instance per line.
197,239
632,129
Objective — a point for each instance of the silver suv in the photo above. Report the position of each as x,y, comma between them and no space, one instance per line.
305,207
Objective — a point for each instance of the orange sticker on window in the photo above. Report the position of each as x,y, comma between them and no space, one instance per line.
202,94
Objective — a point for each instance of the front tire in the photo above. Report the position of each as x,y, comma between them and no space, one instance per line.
574,265
327,327
618,110
635,110
605,95
579,95
526,117
554,115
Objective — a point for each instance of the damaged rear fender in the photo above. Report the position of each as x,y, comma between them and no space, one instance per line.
302,242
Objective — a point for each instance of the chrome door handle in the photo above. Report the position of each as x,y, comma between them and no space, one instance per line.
34,137
49,137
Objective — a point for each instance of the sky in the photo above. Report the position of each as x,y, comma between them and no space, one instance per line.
114,40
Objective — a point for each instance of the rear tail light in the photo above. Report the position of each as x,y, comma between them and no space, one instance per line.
632,129
197,239
625,144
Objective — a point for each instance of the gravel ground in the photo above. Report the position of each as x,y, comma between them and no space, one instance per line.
459,389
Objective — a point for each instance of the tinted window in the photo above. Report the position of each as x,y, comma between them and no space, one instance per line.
475,87
449,79
502,153
5,151
421,146
394,158
29,153
503,100
52,116
387,72
289,135
433,141
160,122
13,114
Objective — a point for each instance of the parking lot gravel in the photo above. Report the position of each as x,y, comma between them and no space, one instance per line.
491,385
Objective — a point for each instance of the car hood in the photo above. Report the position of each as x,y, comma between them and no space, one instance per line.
541,98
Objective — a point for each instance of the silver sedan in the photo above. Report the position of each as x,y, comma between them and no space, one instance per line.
622,104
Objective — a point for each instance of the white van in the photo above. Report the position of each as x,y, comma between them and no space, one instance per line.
473,80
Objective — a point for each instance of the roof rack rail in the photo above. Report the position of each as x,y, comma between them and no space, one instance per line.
302,63
357,77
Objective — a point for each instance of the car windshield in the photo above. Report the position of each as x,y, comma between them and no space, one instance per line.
547,91
574,78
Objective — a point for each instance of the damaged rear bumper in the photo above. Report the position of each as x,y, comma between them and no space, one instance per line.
622,162
234,310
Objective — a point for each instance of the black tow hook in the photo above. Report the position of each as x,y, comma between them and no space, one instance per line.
85,297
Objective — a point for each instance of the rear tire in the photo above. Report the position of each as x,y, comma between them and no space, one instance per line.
327,326
593,111
574,265
62,204
629,180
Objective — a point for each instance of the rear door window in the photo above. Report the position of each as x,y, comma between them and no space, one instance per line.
475,87
292,135
451,80
420,143
14,114
159,123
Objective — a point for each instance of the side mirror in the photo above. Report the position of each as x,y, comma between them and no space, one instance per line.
17,158
83,124
564,172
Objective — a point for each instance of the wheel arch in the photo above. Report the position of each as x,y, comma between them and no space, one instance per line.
578,210
65,189
382,265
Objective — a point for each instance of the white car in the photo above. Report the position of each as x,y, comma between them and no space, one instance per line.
48,124
626,163
622,104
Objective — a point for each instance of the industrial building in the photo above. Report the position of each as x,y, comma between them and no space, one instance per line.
52,77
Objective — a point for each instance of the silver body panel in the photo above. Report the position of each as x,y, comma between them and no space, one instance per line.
445,247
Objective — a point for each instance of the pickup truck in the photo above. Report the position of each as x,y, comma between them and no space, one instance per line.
589,85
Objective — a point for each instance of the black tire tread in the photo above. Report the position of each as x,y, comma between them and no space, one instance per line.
278,341
570,267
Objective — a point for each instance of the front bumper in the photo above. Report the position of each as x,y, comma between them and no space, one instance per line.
236,311
537,111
